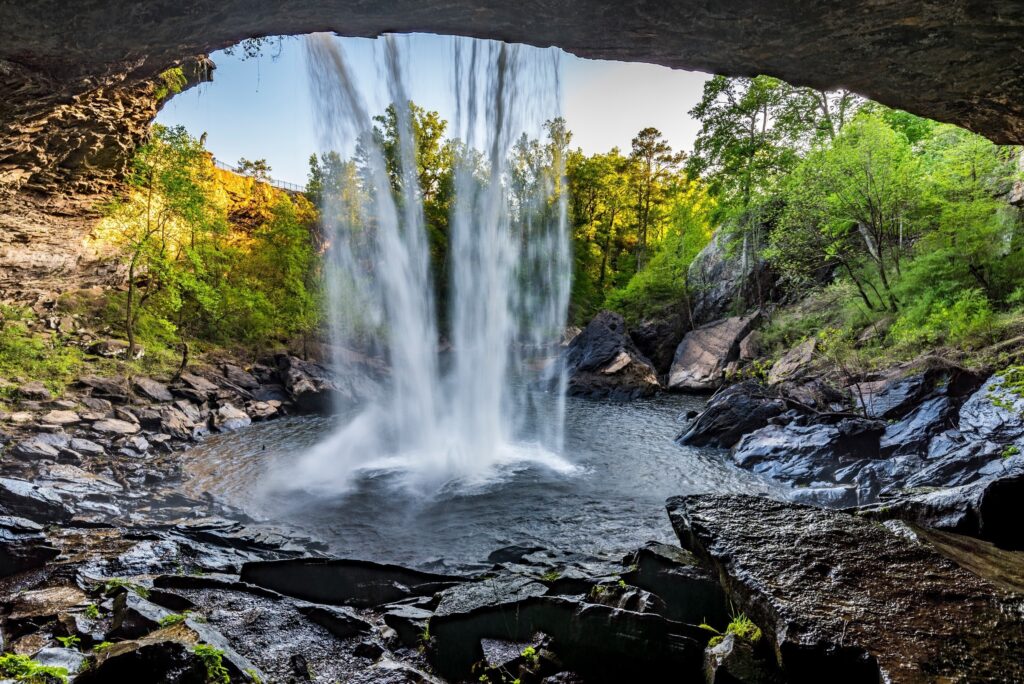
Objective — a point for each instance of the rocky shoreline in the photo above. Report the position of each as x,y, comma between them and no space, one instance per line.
109,572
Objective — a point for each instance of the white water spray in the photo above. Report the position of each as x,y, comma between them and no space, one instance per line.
469,421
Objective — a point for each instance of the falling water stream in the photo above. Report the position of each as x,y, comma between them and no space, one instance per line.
476,447
463,424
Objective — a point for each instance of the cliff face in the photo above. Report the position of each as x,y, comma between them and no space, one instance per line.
62,154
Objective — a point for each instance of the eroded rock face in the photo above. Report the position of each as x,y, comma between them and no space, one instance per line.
848,597
700,360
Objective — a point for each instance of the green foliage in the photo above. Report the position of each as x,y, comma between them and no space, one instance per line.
1010,450
740,625
530,655
69,641
253,676
196,274
665,281
27,354
551,575
92,611
213,661
102,646
23,669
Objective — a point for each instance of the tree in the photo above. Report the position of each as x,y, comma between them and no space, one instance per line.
653,164
166,212
258,169
856,198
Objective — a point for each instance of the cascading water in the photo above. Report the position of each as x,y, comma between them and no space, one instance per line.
466,421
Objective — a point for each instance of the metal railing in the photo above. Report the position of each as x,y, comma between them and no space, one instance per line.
279,184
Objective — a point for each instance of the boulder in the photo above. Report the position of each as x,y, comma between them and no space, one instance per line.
315,389
600,642
892,397
151,389
409,623
116,426
114,389
735,660
604,362
70,659
700,359
113,349
794,363
806,454
134,616
687,590
60,417
735,411
227,418
46,603
750,346
23,546
168,661
341,622
239,377
844,596
34,391
198,383
34,448
723,283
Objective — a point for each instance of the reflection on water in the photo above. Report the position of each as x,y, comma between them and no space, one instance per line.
626,465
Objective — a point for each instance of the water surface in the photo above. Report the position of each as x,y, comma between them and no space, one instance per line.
626,465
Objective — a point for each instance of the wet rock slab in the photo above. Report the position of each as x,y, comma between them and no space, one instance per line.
848,598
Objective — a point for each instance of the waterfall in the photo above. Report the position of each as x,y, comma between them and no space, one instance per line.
478,415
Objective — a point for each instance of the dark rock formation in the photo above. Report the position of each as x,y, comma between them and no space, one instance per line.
317,389
343,582
722,285
804,454
986,509
848,597
700,359
603,362
23,546
657,338
735,411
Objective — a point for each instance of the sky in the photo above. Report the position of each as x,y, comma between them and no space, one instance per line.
262,107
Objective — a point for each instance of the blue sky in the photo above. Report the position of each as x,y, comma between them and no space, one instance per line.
261,108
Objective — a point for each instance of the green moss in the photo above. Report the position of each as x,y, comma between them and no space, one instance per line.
172,81
23,669
1011,450
551,575
115,583
103,646
170,620
33,355
92,612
